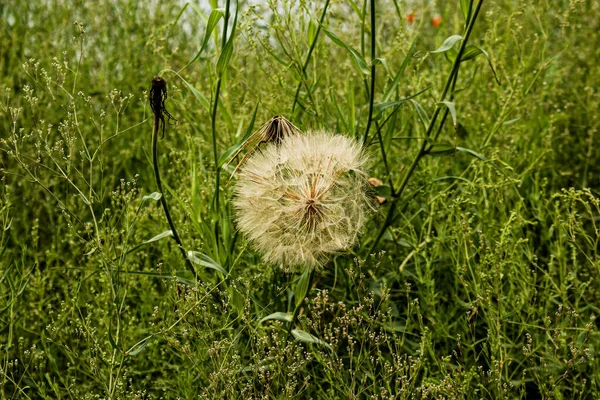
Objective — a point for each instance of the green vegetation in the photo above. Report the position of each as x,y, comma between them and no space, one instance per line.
479,277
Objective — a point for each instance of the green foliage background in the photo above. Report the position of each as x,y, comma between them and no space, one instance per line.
485,286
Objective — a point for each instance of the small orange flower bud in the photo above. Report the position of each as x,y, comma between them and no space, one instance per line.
410,16
436,21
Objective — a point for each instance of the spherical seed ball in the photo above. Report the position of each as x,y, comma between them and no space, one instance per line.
303,199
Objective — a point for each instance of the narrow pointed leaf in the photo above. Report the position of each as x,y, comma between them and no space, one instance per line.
306,337
186,277
301,288
137,349
227,50
359,61
422,114
152,196
472,153
390,90
205,261
225,56
224,157
448,44
278,316
159,236
379,108
199,96
213,20
452,109
466,6
441,149
312,30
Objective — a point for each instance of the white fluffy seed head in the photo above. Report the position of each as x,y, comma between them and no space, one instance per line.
302,200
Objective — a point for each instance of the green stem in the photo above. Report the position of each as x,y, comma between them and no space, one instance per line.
422,150
163,200
214,127
213,123
310,51
372,91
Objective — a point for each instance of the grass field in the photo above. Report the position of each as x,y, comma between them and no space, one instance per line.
478,275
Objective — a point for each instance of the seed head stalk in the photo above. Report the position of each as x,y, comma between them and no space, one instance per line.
158,108
450,82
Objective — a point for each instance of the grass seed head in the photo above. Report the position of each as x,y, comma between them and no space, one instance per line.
304,199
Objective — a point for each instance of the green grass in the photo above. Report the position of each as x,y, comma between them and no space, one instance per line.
478,278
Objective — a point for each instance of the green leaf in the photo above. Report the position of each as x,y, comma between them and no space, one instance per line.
159,236
312,30
452,109
480,157
301,288
152,196
224,157
165,234
466,6
213,20
383,191
421,113
225,56
111,340
472,153
177,19
382,61
186,277
441,149
215,15
203,101
472,51
379,108
512,121
278,316
359,61
306,337
390,90
138,347
192,89
227,50
205,261
448,44
236,299
85,200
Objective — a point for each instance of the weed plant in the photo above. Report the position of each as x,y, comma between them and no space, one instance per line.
477,277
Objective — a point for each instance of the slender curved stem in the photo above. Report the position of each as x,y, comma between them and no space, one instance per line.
163,200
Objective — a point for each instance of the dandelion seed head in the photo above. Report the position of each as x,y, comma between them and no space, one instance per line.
304,199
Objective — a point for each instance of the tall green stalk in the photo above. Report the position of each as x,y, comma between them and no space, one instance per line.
213,124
